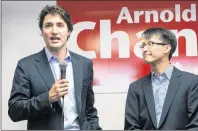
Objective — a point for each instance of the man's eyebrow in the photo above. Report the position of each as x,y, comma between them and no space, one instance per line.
60,22
48,23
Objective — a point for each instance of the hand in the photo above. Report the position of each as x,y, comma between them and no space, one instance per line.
59,89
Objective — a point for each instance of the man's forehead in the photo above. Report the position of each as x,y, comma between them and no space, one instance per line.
53,17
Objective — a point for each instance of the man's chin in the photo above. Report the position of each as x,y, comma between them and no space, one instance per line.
55,48
148,61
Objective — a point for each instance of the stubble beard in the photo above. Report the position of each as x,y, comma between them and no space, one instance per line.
56,48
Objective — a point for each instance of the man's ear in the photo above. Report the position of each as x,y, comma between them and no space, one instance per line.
41,33
69,33
167,49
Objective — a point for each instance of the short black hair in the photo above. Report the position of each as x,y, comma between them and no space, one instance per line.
55,10
166,35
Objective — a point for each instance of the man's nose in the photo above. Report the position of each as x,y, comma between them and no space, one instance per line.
145,48
54,30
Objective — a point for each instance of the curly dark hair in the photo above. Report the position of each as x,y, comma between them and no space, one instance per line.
55,10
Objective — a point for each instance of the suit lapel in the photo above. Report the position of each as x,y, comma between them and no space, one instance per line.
172,89
77,73
44,69
148,91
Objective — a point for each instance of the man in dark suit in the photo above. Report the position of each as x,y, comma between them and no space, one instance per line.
37,91
166,99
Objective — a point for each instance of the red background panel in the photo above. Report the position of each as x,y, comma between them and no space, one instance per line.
111,71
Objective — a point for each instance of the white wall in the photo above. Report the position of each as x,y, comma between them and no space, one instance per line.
21,37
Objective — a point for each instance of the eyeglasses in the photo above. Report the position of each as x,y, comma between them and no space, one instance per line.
150,44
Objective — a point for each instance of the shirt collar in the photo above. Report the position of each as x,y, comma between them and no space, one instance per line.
167,72
50,56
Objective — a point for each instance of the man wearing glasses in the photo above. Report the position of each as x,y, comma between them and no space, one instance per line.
167,98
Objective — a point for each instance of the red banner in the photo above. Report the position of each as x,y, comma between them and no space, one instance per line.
108,32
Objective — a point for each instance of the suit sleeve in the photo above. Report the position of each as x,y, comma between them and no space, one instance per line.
22,106
192,123
131,111
91,111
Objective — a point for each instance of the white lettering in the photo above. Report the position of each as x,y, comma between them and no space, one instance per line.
137,15
177,13
163,15
106,38
124,15
192,12
148,16
72,42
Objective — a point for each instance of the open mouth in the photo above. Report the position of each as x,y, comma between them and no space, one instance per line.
55,39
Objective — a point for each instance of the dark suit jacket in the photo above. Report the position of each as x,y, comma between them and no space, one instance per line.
32,81
180,111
